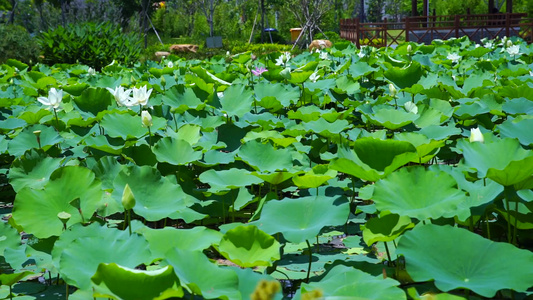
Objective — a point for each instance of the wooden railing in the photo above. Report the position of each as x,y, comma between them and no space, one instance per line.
424,29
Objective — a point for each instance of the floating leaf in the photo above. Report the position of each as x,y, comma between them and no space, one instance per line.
469,264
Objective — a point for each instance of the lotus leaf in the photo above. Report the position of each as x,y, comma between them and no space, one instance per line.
503,161
118,282
195,239
156,196
249,247
32,170
27,140
79,253
126,126
237,100
201,277
302,219
175,151
385,228
93,100
468,264
264,157
418,193
228,179
9,237
349,283
373,158
36,210
391,118
519,128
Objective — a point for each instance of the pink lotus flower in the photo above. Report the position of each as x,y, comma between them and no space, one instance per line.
258,71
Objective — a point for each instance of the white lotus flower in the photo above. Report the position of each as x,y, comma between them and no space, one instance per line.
513,50
170,64
454,57
488,45
409,48
476,135
141,95
509,43
146,118
392,90
91,71
53,100
361,54
411,107
122,96
324,56
314,77
279,61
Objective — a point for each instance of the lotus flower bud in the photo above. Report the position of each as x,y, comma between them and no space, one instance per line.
128,200
476,135
392,90
146,118
509,43
409,49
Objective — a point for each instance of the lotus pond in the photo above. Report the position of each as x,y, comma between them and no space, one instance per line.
345,174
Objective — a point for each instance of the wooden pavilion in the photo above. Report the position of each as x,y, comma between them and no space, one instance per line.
424,28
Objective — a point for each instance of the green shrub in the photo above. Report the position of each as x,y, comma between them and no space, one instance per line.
17,43
276,37
259,49
329,35
95,45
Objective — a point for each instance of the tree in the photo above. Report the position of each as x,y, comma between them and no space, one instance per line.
208,8
375,10
309,14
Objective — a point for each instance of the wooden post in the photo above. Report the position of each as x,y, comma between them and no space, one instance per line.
407,29
384,42
456,25
414,9
507,23
509,6
357,32
425,12
491,6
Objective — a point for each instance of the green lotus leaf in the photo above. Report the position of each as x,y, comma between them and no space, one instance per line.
391,118
9,237
104,143
425,147
360,68
12,123
314,178
343,282
75,89
326,128
27,140
469,264
126,126
182,100
418,193
503,161
201,277
435,132
237,100
301,219
80,250
32,170
275,177
249,280
305,113
36,210
372,159
11,279
405,77
189,133
175,151
195,239
264,157
156,197
33,114
517,106
249,247
118,282
519,128
228,179
385,228
93,100
286,95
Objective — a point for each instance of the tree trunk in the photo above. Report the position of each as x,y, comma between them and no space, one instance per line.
63,12
12,15
262,21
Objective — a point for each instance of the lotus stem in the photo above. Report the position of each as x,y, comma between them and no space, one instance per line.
310,260
57,120
515,223
388,252
507,191
488,226
150,139
129,220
